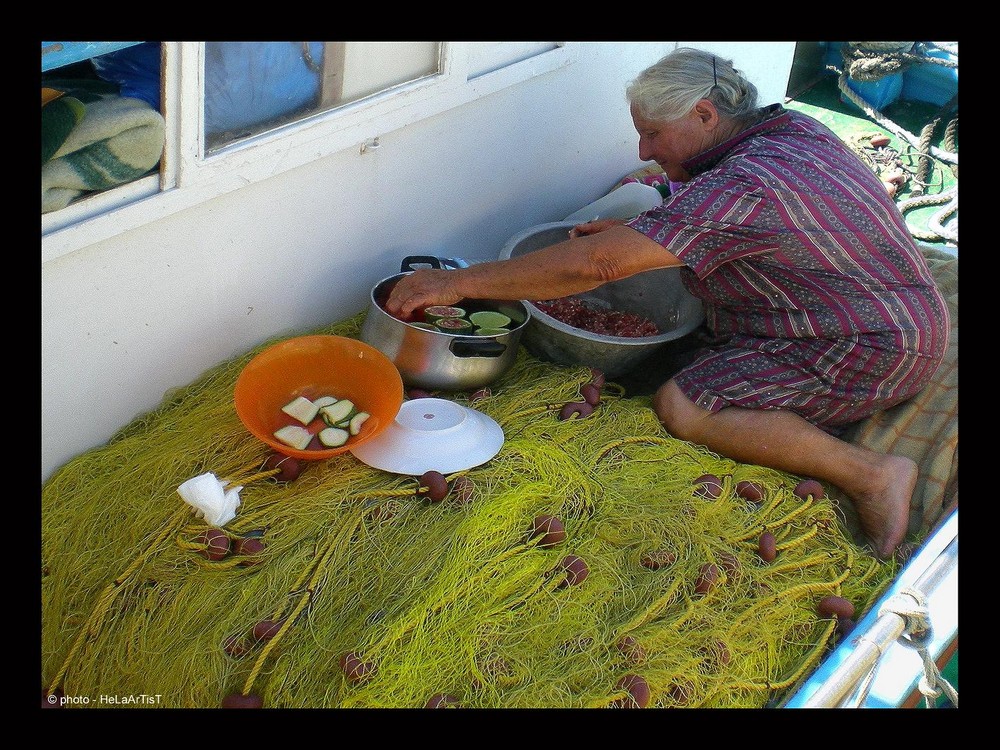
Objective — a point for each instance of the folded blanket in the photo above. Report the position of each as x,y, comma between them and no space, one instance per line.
60,114
94,144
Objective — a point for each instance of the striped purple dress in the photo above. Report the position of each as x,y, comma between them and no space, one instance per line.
819,301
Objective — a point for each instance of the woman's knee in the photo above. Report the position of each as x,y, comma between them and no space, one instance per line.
674,410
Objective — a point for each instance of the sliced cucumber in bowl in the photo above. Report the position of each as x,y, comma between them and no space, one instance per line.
301,409
338,413
339,420
294,436
354,426
333,437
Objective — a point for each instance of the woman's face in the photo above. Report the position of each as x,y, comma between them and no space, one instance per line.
672,143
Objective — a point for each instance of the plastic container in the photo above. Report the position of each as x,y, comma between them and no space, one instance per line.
314,366
930,82
624,202
433,434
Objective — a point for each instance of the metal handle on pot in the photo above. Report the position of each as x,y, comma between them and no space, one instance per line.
477,348
409,260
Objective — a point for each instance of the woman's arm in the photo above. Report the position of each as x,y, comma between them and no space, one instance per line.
576,265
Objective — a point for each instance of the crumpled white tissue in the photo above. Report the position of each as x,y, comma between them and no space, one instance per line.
211,500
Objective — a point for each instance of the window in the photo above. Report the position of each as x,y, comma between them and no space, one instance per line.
336,96
253,87
101,123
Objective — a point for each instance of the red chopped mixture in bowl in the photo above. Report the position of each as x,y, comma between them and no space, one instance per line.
579,314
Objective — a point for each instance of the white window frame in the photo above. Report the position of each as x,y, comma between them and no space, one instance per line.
189,176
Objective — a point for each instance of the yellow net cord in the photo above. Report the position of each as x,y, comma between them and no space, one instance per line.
448,598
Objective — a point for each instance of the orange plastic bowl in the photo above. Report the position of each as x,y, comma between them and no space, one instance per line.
314,366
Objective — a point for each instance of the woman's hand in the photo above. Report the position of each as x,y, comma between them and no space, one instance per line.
423,287
593,227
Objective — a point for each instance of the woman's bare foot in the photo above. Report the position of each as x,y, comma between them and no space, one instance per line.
879,485
884,508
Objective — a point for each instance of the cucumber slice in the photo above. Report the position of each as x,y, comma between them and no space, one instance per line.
294,436
338,412
325,401
356,421
301,409
333,437
489,319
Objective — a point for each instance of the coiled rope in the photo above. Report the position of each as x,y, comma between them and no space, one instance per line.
871,61
924,144
936,225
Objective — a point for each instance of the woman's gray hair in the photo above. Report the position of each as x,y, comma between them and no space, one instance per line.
669,89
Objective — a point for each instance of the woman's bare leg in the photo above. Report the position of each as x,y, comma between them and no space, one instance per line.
880,485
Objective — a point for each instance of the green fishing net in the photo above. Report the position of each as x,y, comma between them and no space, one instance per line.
367,594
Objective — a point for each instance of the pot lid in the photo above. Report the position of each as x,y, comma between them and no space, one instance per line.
433,434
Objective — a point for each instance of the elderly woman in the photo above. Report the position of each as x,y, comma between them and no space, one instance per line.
820,307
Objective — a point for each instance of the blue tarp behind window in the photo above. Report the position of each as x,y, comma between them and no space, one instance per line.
249,85
136,70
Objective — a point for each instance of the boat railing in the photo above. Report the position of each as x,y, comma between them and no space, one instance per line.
893,650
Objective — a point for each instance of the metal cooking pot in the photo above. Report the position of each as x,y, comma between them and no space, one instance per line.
436,360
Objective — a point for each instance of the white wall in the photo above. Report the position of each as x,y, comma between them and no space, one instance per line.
128,319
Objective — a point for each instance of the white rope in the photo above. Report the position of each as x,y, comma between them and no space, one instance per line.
936,223
949,47
916,634
938,228
886,123
910,604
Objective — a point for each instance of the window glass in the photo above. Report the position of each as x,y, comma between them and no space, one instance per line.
486,57
253,87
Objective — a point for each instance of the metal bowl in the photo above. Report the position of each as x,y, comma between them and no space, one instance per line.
657,295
